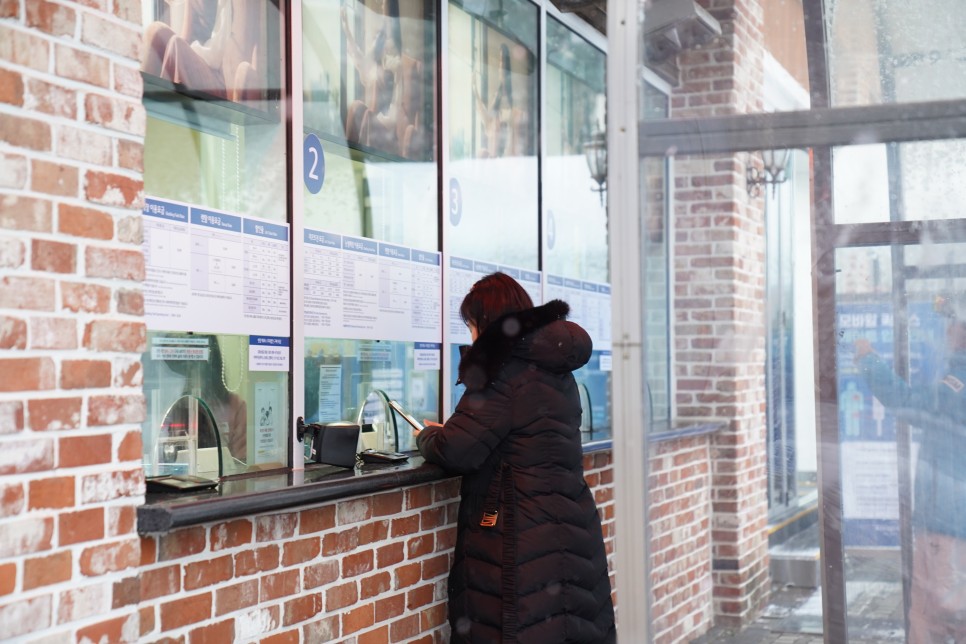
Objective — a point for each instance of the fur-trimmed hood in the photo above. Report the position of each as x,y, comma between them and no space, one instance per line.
541,335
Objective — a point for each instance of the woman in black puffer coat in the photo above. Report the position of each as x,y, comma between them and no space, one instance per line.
530,564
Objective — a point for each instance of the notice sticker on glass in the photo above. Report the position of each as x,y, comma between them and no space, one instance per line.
426,356
169,348
606,361
267,413
268,353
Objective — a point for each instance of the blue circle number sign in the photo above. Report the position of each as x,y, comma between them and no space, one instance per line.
313,163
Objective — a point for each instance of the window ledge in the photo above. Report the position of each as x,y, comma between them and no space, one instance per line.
248,496
669,431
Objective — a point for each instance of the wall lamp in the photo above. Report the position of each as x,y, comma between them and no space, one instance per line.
595,151
775,171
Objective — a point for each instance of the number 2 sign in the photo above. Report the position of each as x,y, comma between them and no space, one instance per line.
313,163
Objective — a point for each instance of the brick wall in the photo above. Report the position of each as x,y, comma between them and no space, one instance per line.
372,568
679,520
718,285
71,329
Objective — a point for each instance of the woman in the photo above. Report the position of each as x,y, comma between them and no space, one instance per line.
530,564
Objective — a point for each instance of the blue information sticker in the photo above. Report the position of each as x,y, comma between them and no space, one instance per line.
313,163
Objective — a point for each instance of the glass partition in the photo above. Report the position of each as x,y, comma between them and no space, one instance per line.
492,184
216,240
372,273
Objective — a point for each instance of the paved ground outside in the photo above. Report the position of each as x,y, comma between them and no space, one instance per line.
794,616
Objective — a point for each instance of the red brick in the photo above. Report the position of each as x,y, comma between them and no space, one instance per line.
317,519
31,293
12,250
435,567
387,504
80,526
130,302
78,451
288,637
8,578
146,615
340,596
321,574
115,410
114,263
418,497
128,372
160,582
181,543
432,617
249,562
322,630
85,298
185,611
149,550
11,87
20,132
55,492
11,499
112,189
130,155
44,571
31,455
25,213
418,597
130,448
390,554
127,80
207,572
85,374
81,66
375,585
297,552
278,585
374,532
54,179
432,519
85,222
113,335
56,100
301,608
126,592
405,525
275,527
376,636
389,607
13,333
357,619
231,534
53,333
235,597
93,147
109,557
217,633
130,230
357,564
419,546
125,116
404,629
354,511
121,520
54,413
109,485
11,416
408,575
21,47
54,19
340,542
25,536
27,374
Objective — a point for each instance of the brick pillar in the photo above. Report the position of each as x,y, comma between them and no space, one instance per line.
719,272
71,319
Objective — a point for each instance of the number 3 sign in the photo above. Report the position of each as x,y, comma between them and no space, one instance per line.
313,163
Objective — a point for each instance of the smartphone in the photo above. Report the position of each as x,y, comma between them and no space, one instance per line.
402,412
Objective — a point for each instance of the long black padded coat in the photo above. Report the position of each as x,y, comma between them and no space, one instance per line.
530,564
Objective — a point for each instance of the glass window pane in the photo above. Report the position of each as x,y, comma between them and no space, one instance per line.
492,175
214,155
900,182
893,51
